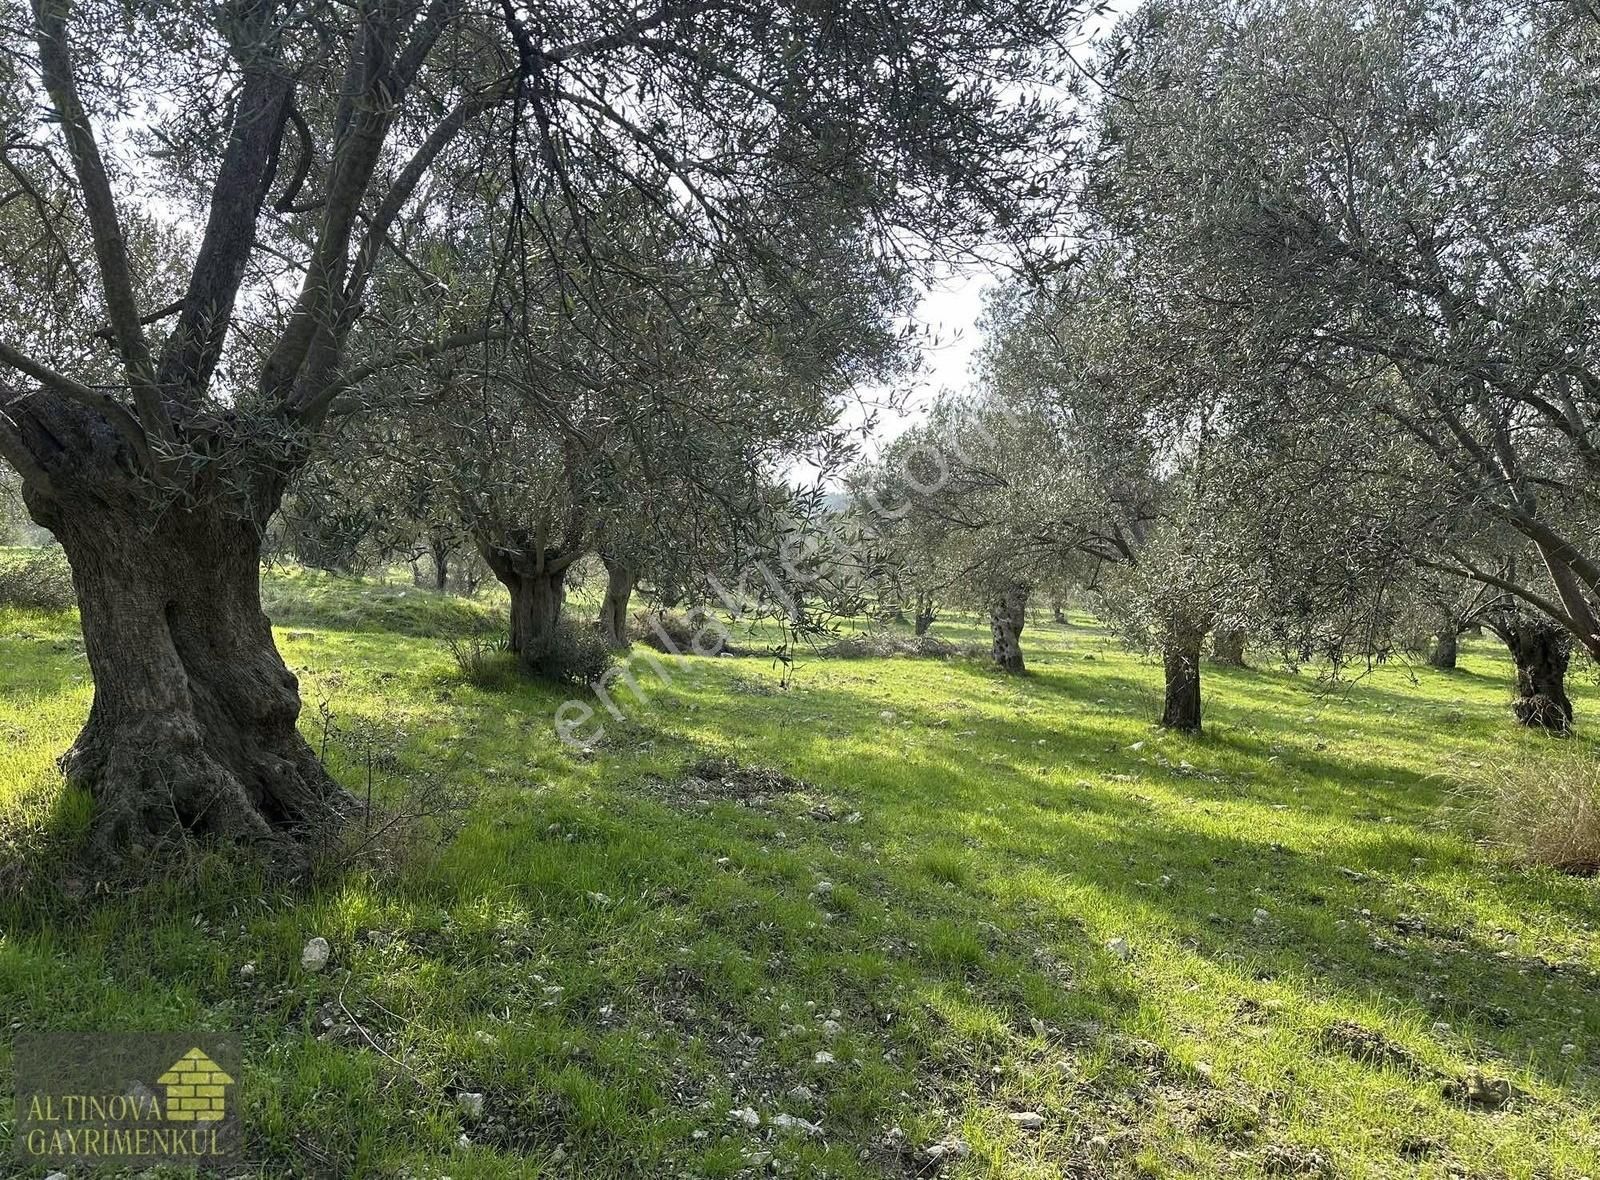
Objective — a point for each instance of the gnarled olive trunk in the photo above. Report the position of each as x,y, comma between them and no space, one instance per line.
1007,614
1180,663
536,601
1541,651
192,730
614,607
1442,653
925,613
1227,647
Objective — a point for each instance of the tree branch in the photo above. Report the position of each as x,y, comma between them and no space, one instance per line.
240,190
102,403
111,248
325,402
15,451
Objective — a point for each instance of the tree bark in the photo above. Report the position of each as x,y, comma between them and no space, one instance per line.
1541,651
192,730
925,613
1442,654
536,602
439,547
1227,647
1007,614
1180,661
614,607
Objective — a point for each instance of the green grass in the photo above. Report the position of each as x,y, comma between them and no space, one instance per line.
620,960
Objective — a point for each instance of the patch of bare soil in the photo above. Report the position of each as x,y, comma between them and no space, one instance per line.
724,779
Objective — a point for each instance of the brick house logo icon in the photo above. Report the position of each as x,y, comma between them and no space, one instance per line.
195,1089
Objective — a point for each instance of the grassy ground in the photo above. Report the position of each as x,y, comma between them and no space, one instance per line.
903,942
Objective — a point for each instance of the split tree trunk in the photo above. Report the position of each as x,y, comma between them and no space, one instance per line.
1442,654
1227,647
1007,615
192,730
614,607
1541,651
1180,661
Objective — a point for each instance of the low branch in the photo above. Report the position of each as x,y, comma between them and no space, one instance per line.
102,403
1472,573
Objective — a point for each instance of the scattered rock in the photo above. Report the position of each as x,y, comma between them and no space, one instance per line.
471,1104
791,1122
248,971
1282,1160
1027,1120
315,954
954,1147
1119,948
1441,1029
802,1093
1100,1145
823,1057
747,1116
1479,1092
1261,917
831,1028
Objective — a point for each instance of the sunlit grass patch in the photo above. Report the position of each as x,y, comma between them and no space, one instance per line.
914,937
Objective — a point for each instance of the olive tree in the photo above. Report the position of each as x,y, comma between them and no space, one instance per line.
1386,214
212,192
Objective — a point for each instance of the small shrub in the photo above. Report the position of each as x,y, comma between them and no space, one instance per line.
571,654
1546,810
40,581
482,655
880,643
679,634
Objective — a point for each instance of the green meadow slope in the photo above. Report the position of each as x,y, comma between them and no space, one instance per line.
819,930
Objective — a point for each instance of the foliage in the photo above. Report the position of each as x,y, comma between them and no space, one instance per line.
38,579
1365,238
482,655
571,653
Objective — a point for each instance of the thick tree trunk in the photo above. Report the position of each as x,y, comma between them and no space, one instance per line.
924,616
1541,651
1227,647
1057,613
614,607
1442,654
192,730
440,550
536,601
1006,617
1180,662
